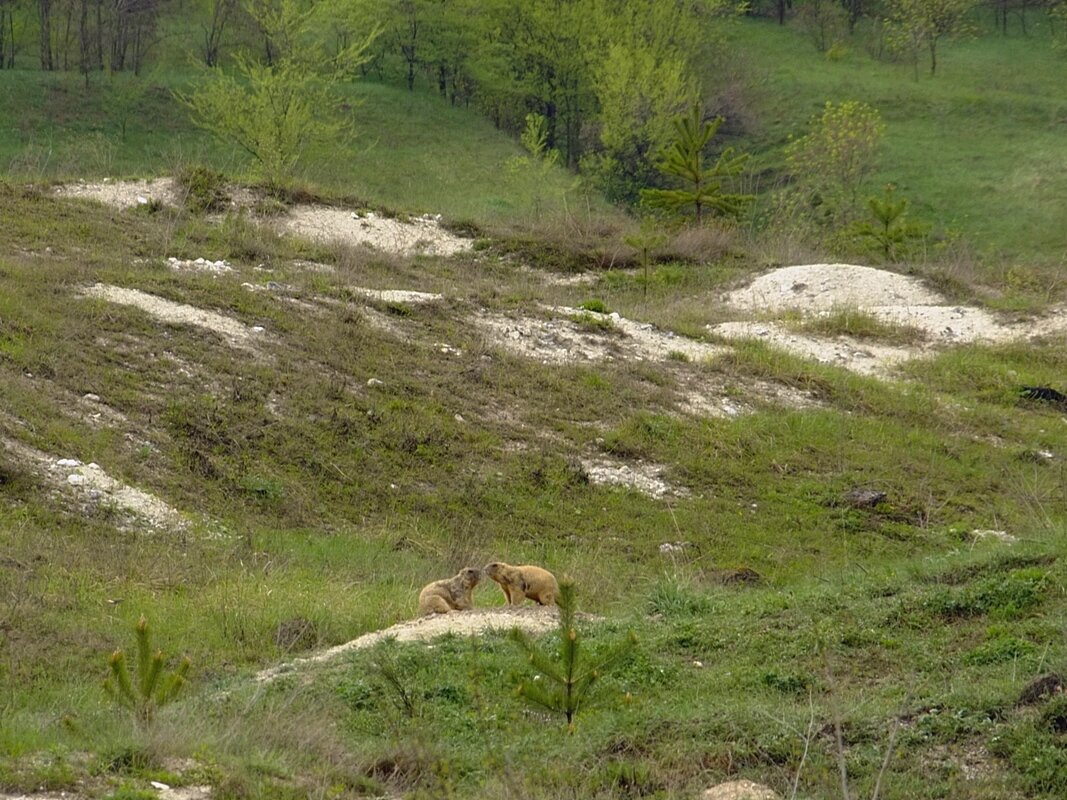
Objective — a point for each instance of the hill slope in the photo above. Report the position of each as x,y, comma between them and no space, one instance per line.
322,446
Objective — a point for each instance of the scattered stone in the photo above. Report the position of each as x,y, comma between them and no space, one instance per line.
644,478
68,462
92,398
1003,536
1041,688
669,548
863,498
420,235
375,382
459,418
740,790
395,295
76,480
200,265
158,785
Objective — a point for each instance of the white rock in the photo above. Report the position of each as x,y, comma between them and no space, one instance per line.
92,398
258,328
459,418
68,462
375,382
76,479
142,200
158,785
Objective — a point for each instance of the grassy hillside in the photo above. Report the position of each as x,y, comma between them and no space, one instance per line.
977,148
413,152
318,494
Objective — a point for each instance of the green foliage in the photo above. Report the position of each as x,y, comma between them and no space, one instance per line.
645,242
153,687
274,110
540,161
204,189
915,25
890,233
564,683
839,152
702,186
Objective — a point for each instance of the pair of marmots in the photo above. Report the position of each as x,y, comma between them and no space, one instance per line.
518,583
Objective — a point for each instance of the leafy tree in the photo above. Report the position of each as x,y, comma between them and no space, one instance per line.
840,151
153,688
914,25
702,186
273,110
568,676
823,21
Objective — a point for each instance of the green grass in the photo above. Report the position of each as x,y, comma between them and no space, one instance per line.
413,152
976,148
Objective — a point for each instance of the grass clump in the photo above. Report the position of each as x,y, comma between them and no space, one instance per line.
861,325
203,189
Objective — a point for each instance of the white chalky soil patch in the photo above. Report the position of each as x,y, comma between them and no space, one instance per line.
564,339
420,235
820,289
395,295
89,482
645,478
235,333
123,194
199,265
532,619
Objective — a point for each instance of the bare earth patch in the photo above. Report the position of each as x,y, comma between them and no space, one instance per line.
645,478
421,235
821,289
124,194
395,295
90,484
235,333
567,339
532,619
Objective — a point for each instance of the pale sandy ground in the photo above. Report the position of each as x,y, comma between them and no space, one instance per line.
417,235
235,333
89,483
816,289
532,619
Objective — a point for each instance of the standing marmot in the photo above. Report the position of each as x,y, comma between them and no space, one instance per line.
519,583
451,594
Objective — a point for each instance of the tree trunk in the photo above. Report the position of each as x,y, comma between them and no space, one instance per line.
44,12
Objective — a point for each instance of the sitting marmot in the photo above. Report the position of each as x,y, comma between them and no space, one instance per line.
519,583
451,594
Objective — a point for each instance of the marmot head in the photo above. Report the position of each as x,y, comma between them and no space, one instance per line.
495,570
470,576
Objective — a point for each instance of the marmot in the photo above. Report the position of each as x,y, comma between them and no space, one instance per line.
450,594
519,583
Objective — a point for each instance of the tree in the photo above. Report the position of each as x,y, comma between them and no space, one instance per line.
823,21
702,186
568,677
840,151
7,33
219,14
917,24
153,688
889,231
273,110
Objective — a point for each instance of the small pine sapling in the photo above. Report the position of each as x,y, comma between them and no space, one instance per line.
154,688
702,186
890,231
565,679
645,243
